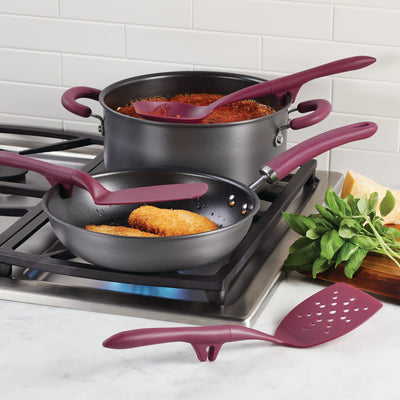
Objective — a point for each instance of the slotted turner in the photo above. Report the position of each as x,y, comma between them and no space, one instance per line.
326,315
69,177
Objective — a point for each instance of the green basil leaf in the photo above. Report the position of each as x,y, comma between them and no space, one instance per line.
352,202
299,223
362,205
354,262
331,242
299,243
327,214
373,202
387,204
304,255
392,232
349,228
365,242
317,232
336,204
345,252
320,265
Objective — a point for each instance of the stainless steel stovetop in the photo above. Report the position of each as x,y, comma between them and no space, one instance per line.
36,285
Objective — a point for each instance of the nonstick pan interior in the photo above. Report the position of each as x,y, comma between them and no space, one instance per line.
230,204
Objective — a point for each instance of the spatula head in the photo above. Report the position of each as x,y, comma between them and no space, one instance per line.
328,314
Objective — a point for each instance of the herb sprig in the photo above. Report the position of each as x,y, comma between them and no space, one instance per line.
342,231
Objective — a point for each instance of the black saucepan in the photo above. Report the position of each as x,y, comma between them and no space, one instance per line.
68,216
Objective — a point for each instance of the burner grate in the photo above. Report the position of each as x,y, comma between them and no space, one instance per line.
221,284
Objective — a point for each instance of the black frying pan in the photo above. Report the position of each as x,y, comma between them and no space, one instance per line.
68,216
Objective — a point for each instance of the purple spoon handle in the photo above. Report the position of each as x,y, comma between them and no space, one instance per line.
292,83
286,162
206,340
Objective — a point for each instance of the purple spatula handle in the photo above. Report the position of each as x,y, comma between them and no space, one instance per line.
286,162
206,341
68,100
68,177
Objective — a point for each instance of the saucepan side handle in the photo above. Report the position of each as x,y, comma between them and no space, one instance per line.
68,100
319,109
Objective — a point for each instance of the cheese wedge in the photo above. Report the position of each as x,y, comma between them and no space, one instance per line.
359,185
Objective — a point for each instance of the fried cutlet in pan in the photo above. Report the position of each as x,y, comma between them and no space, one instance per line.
118,230
168,222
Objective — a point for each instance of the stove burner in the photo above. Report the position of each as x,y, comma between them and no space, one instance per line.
9,174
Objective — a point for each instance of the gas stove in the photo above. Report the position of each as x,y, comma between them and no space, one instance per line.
36,268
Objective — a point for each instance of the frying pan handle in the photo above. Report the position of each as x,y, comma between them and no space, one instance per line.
321,109
67,177
285,163
70,96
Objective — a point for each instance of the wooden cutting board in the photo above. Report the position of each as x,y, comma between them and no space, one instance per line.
377,274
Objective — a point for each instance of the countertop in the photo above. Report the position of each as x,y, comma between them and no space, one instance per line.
55,353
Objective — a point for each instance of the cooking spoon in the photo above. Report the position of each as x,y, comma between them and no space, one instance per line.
68,177
326,315
169,111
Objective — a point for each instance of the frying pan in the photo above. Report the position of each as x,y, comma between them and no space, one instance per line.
231,204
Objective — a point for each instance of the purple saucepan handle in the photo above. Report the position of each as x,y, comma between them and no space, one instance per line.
206,340
286,162
79,92
320,110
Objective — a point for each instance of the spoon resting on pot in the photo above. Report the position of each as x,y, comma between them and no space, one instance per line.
169,111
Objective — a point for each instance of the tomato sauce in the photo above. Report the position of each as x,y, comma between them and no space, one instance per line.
239,111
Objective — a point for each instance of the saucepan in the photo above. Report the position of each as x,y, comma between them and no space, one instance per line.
232,205
234,150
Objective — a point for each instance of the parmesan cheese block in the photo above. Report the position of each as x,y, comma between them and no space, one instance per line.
359,185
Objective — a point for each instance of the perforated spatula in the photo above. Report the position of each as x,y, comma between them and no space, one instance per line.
326,315
69,177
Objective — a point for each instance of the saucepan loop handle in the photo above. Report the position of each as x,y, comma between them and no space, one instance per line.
70,96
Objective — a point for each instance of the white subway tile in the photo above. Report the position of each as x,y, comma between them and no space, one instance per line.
40,8
30,66
46,34
173,13
32,100
21,120
366,97
367,25
386,139
361,3
100,71
381,167
292,55
194,47
276,18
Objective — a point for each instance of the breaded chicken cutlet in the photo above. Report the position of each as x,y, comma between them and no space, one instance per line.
118,230
169,222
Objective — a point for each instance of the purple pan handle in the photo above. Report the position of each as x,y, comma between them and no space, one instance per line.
67,177
285,163
206,340
68,100
321,109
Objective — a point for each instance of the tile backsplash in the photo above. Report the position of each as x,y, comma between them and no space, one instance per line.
48,46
